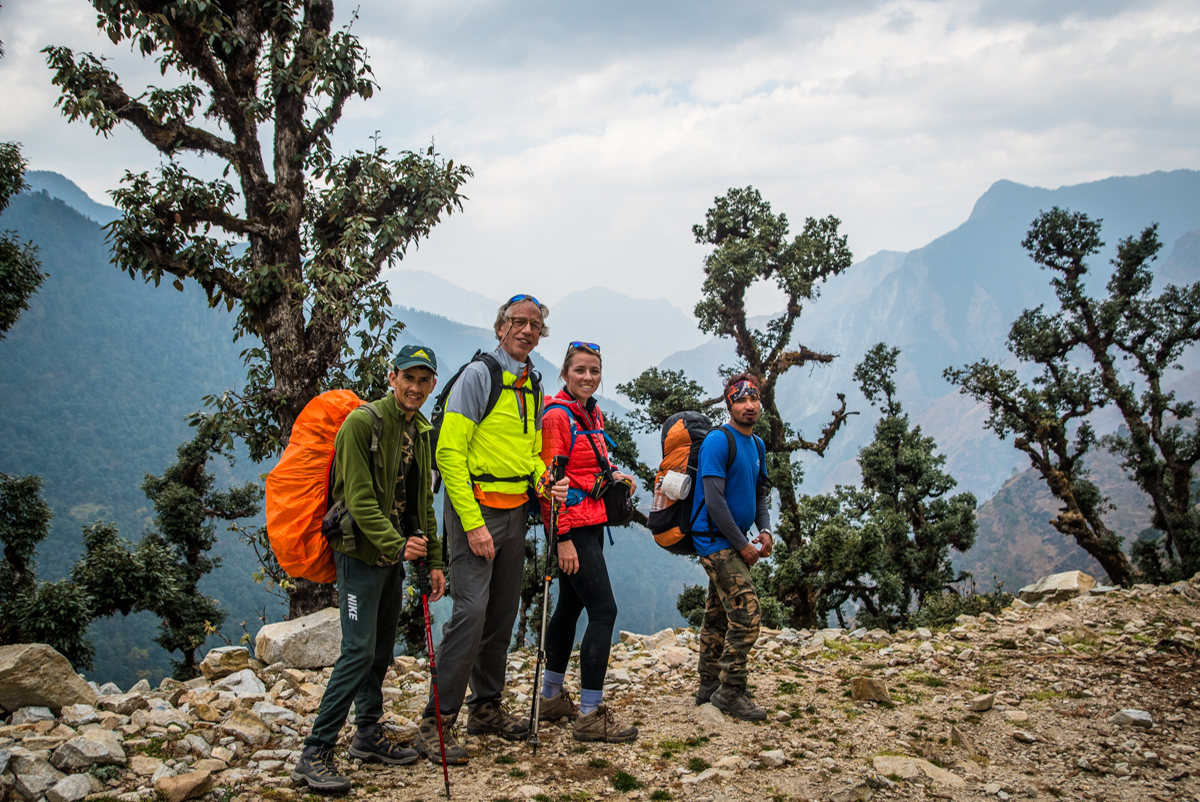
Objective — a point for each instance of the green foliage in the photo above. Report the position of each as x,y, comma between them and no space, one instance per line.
659,394
697,764
19,273
1126,343
410,628
160,575
624,782
186,506
56,613
775,614
691,603
939,610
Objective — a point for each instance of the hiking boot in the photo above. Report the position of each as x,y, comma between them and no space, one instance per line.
601,725
379,742
427,742
735,700
557,707
707,688
490,718
317,769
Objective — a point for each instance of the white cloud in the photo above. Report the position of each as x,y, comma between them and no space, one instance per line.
599,138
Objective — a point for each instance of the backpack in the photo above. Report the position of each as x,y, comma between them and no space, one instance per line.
496,373
298,488
682,435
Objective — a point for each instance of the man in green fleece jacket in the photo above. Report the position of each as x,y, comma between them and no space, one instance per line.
388,495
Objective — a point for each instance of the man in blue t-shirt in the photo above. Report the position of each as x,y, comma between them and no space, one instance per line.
732,496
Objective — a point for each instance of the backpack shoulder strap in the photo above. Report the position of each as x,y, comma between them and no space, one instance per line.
729,438
574,429
496,375
376,432
762,457
439,403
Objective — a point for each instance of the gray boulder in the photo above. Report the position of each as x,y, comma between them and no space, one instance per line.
241,684
75,716
223,661
73,788
313,641
123,703
35,675
91,748
33,775
32,715
1057,587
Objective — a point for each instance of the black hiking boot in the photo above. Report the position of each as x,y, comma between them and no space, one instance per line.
734,700
707,688
379,742
317,769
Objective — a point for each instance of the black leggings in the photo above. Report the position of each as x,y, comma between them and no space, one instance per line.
587,588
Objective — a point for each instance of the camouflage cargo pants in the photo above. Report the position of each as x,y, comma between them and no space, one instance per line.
731,619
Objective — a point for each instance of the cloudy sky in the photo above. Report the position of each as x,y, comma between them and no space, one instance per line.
599,132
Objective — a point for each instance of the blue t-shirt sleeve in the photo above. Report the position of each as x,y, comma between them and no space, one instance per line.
714,453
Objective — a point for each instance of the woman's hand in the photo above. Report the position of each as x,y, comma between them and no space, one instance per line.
626,477
568,558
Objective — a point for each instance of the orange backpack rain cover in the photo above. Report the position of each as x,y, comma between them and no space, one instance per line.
297,488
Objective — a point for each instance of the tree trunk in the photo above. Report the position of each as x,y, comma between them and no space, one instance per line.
306,598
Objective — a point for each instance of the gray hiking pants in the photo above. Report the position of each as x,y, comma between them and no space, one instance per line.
486,595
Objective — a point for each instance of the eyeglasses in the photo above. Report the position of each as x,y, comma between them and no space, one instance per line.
579,344
518,298
519,323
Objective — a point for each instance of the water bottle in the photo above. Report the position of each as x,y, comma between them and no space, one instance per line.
660,498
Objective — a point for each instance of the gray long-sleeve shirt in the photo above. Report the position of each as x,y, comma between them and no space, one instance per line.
719,514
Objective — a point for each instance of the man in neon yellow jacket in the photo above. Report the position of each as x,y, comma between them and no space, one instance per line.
488,461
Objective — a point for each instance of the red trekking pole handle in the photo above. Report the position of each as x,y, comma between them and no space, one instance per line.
425,584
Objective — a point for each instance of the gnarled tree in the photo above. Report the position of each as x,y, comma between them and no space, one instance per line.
750,244
297,244
1128,342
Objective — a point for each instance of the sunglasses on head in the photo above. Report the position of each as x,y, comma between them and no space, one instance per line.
518,298
580,344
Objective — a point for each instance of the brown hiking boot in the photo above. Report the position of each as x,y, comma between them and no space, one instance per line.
601,725
735,700
560,706
490,718
428,745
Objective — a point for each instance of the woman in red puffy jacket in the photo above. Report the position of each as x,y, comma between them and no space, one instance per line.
572,425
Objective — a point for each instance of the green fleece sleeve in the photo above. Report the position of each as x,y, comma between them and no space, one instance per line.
453,441
354,469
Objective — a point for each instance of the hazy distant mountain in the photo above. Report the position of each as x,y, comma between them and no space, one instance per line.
419,289
66,190
633,333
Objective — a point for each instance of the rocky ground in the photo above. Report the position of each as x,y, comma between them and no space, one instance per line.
1090,698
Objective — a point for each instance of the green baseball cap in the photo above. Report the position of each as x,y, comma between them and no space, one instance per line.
415,356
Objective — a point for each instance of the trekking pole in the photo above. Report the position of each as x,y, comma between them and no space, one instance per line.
426,586
558,468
